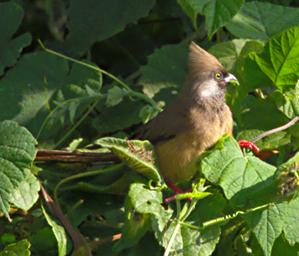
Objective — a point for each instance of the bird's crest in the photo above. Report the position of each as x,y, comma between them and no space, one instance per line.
201,61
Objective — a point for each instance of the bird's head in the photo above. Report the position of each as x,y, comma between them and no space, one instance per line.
207,79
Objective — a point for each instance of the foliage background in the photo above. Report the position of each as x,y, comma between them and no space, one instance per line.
141,48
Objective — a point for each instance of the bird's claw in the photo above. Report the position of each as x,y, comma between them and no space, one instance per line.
250,145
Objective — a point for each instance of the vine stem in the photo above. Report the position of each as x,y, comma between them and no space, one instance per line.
95,68
226,217
275,130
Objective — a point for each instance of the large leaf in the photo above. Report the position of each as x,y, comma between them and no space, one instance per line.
235,173
260,20
248,181
17,152
267,226
279,60
216,12
139,155
11,16
105,18
166,68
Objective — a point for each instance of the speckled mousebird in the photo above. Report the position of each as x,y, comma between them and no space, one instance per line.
194,121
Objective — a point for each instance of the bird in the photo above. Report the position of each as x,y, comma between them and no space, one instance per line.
196,119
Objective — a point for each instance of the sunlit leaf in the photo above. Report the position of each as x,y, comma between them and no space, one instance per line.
279,60
18,186
262,20
139,155
227,167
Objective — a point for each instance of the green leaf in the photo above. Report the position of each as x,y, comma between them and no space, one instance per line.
279,216
166,68
17,152
59,234
139,155
227,167
21,248
261,20
279,60
267,226
216,12
105,18
11,16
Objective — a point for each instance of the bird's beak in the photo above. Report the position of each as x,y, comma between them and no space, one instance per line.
230,78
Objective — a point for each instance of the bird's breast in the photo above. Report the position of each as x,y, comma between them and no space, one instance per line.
177,157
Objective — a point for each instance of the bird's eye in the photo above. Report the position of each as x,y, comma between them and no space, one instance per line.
218,75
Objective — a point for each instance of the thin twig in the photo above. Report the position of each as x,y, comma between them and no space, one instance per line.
275,130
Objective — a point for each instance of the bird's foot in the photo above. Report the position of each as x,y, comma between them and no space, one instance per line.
250,145
176,191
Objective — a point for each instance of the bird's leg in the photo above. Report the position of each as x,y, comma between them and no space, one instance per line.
250,145
176,191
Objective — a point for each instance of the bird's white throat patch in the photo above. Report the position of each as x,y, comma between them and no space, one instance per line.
209,88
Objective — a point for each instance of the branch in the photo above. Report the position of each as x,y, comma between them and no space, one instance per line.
74,157
275,130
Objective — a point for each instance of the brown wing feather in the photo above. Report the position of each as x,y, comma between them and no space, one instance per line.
166,125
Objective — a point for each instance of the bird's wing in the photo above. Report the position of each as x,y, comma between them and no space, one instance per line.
166,125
